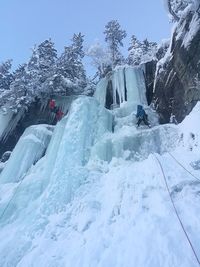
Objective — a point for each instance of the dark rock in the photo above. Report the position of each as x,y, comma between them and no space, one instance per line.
177,88
5,156
149,74
37,113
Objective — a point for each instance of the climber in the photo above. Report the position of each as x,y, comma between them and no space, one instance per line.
52,104
55,109
59,115
142,116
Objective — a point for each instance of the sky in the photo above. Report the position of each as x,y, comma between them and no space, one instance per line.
24,23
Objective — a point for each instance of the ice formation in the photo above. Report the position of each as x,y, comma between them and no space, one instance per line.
128,84
9,121
97,198
28,151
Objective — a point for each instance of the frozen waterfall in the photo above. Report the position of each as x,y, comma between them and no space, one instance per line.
28,150
128,85
88,189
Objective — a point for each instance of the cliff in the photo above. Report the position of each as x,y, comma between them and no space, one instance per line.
177,86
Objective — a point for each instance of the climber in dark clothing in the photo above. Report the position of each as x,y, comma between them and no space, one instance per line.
142,116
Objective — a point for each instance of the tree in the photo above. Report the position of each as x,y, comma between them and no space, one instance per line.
6,76
70,65
20,88
135,52
140,52
114,36
149,50
100,58
47,56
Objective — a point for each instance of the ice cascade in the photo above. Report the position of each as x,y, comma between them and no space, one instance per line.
128,84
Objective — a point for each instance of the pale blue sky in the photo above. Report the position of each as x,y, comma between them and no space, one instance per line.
24,23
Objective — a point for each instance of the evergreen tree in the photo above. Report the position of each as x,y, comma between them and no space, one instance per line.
20,87
135,52
149,50
33,64
47,55
70,65
114,36
33,71
100,59
140,52
6,76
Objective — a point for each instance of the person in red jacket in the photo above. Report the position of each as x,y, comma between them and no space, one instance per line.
59,115
52,104
55,109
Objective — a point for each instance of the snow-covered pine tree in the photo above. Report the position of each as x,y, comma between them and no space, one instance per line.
21,95
100,58
141,52
33,72
41,68
149,50
78,52
47,55
6,76
114,36
69,64
135,52
18,94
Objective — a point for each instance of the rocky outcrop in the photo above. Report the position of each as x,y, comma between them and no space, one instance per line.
37,113
149,74
177,83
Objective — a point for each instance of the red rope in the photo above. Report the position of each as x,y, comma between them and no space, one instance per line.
183,228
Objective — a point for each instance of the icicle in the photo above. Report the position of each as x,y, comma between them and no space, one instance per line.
10,122
100,93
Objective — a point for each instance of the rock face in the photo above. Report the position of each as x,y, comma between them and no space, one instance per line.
37,113
177,84
149,74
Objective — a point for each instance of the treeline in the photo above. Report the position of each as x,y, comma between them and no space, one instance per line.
47,73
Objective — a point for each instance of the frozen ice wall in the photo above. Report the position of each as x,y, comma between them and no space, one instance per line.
28,150
135,85
4,121
128,84
8,121
100,93
70,148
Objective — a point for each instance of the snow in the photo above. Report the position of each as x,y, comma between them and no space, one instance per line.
97,197
193,29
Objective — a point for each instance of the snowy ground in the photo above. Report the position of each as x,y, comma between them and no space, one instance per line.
98,198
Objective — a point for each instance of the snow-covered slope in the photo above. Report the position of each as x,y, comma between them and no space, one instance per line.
98,196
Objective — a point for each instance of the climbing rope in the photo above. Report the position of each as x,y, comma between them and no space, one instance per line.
176,212
183,167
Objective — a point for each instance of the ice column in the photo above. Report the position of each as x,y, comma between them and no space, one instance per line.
70,148
28,150
101,89
135,85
